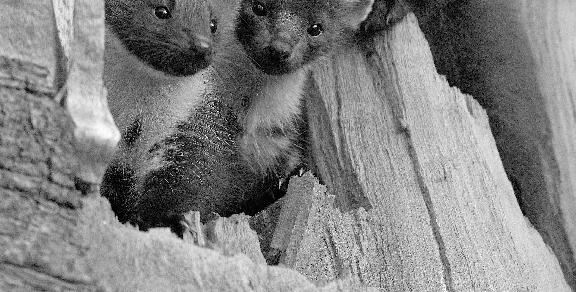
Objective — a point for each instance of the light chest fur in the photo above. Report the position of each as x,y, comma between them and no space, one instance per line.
136,92
270,123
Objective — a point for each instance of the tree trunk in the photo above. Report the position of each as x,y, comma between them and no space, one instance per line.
426,204
517,59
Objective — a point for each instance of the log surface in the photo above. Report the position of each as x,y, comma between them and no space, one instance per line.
417,196
435,210
517,59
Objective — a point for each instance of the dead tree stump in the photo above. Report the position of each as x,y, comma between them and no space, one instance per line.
517,59
416,196
422,201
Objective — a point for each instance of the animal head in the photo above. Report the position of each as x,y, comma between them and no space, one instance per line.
172,36
281,36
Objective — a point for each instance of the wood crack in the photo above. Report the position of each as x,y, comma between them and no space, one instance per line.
19,74
393,93
446,268
34,278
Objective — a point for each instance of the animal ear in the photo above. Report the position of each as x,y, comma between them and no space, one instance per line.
355,11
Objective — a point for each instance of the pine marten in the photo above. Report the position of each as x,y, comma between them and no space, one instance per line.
228,153
155,52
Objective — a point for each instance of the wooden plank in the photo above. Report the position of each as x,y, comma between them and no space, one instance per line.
436,211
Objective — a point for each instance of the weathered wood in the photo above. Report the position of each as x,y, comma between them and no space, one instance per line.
128,260
38,199
264,223
229,236
81,84
431,207
517,59
420,198
32,41
232,236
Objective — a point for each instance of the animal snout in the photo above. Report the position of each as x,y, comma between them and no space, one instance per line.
279,51
199,43
202,44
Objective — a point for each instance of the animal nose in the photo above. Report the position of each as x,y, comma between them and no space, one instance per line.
202,44
279,51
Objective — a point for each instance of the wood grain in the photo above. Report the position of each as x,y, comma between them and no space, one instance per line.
437,211
416,198
517,59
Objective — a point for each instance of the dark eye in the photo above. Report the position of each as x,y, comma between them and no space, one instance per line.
213,25
315,29
162,12
259,8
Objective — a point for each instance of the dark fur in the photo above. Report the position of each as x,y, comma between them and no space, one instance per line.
132,133
117,188
168,45
202,166
285,28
